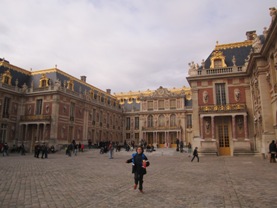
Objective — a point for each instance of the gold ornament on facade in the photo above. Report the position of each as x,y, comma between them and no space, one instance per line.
70,84
219,108
43,81
233,45
7,78
217,55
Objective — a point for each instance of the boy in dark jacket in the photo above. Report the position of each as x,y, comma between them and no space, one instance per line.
195,154
139,163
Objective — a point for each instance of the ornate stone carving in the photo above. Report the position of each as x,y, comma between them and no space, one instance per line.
162,92
237,95
257,45
273,12
205,97
192,69
234,61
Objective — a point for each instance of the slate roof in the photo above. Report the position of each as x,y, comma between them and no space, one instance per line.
240,54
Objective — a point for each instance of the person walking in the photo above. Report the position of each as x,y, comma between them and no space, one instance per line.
272,151
5,149
139,163
195,154
22,148
110,148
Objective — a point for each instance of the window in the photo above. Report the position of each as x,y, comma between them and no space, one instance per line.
217,63
38,106
108,119
150,121
173,120
93,116
161,104
150,105
72,111
128,123
137,136
6,78
128,136
220,94
43,82
70,85
161,121
6,107
101,118
189,121
136,122
3,133
173,104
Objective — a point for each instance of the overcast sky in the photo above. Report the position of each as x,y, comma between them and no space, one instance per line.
124,44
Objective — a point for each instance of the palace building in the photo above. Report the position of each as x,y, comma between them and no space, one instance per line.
230,107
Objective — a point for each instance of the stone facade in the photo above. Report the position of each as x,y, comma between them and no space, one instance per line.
234,95
230,107
159,117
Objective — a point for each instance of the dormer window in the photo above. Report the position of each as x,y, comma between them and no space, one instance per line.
91,93
7,78
217,60
43,81
70,85
217,63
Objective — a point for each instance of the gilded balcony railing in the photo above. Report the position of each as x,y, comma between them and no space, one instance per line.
36,118
223,108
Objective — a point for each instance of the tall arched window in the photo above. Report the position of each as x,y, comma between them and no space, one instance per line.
150,121
173,120
161,120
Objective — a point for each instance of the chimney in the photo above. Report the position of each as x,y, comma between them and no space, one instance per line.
108,91
250,35
83,78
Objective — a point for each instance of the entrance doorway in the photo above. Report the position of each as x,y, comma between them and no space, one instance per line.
223,136
161,139
149,138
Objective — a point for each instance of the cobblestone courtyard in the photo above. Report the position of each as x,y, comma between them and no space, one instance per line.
92,180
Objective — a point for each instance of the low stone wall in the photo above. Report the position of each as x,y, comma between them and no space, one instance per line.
242,147
209,147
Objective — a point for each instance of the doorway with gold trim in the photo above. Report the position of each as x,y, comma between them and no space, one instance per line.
222,133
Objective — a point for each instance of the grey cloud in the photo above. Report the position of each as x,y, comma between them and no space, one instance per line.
124,45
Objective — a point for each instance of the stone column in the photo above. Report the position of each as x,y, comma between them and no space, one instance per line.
37,131
202,127
43,132
26,130
234,127
212,126
245,126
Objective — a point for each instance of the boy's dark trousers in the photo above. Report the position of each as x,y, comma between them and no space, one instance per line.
194,157
139,180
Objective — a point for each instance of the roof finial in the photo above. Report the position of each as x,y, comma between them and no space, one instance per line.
56,65
217,42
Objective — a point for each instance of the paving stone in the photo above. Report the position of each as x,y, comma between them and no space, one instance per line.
92,180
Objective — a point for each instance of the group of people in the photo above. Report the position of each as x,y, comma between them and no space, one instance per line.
4,149
73,147
41,149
